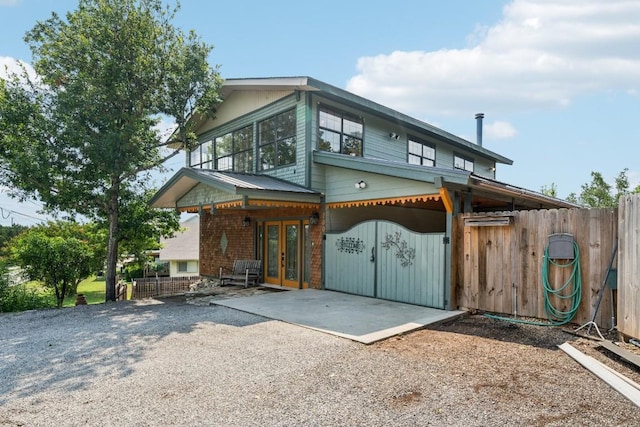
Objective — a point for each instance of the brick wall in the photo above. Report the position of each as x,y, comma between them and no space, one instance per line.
241,240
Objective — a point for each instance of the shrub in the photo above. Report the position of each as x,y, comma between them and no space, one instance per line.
20,297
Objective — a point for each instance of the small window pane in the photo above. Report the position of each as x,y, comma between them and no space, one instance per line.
415,148
207,151
352,146
223,145
225,163
242,162
267,132
194,158
243,139
286,151
329,141
267,157
428,152
352,128
415,160
330,121
286,124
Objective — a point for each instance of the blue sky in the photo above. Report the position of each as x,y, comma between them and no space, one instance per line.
558,80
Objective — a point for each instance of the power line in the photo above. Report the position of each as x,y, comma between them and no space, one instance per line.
6,213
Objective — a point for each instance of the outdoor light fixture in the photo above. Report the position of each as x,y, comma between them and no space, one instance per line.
394,135
314,219
246,221
361,185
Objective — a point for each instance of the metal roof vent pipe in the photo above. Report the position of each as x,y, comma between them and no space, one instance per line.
479,117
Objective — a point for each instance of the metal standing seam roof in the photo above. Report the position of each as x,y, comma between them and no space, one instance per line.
253,181
233,183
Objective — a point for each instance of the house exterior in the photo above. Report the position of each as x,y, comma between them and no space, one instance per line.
181,252
333,191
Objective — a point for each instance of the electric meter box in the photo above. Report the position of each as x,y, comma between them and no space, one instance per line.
561,246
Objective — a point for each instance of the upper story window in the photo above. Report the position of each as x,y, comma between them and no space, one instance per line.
421,153
202,155
464,163
277,140
340,132
233,151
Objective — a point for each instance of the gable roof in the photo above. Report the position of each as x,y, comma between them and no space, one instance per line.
185,245
238,186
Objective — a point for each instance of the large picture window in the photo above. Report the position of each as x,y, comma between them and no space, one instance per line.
277,140
339,132
421,153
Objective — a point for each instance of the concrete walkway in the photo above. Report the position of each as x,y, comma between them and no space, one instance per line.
361,319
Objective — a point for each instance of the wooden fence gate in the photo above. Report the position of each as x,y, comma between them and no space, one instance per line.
384,260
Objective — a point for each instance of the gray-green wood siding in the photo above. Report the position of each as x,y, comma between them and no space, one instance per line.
340,186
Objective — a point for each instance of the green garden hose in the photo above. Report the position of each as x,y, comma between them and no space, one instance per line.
570,289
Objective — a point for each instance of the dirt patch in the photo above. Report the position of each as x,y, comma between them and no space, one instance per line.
507,364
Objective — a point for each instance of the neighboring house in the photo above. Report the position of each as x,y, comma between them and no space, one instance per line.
181,251
334,191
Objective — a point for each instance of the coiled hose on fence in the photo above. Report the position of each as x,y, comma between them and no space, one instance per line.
555,315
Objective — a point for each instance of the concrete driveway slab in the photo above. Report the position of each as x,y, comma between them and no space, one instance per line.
357,318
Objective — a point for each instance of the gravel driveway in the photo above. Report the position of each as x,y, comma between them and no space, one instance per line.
172,363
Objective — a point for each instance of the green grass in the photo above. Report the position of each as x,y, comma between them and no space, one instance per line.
93,289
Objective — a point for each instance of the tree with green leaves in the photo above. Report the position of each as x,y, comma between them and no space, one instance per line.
551,191
6,234
59,263
599,194
81,137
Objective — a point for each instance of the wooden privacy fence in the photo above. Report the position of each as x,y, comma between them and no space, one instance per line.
498,261
161,286
629,266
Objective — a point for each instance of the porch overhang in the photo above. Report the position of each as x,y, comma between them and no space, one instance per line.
483,194
487,195
192,190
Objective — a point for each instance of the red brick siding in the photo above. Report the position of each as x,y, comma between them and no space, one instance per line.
241,240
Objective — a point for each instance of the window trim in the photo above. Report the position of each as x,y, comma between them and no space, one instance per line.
466,160
278,141
211,161
410,139
342,115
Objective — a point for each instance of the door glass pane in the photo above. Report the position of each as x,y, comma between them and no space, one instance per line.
307,252
291,252
272,250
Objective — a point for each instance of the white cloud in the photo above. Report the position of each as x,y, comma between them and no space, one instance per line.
11,66
499,130
542,54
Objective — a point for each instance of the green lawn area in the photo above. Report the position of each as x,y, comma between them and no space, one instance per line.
92,288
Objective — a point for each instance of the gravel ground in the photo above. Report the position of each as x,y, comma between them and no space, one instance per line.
166,362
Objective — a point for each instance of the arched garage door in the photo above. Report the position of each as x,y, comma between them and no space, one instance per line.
384,260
